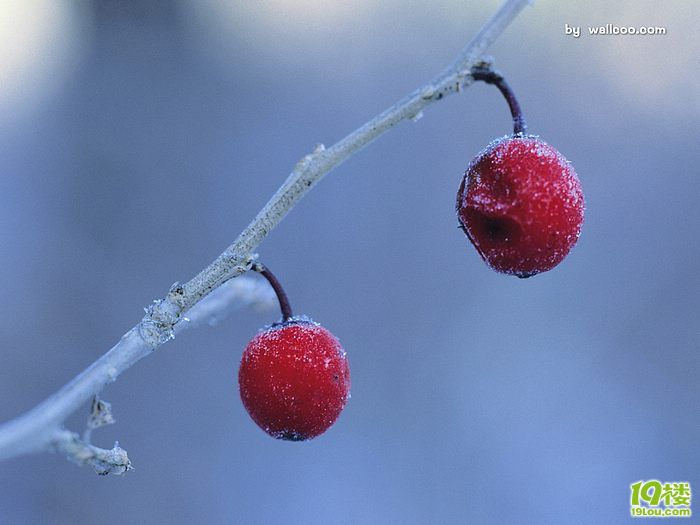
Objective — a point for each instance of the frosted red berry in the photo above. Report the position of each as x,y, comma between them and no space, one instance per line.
521,205
294,380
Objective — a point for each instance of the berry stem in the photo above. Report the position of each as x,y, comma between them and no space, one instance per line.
488,75
285,307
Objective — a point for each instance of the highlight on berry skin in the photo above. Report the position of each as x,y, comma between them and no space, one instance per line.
520,202
294,377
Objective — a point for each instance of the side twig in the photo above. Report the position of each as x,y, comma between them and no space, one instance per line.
114,461
38,428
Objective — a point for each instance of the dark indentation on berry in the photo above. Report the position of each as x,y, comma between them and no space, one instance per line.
496,229
336,378
526,275
492,229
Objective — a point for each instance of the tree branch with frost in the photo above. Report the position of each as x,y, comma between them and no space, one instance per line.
82,452
233,294
41,427
113,461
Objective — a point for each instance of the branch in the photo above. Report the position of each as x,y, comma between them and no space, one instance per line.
246,291
114,461
37,429
233,294
82,452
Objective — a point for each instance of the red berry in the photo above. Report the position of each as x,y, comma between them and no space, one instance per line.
294,380
521,205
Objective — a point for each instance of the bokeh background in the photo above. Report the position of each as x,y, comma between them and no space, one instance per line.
138,138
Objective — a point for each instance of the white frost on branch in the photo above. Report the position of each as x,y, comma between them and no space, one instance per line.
81,451
37,429
234,294
113,461
245,291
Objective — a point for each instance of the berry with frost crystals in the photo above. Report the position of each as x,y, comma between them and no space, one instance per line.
294,380
521,205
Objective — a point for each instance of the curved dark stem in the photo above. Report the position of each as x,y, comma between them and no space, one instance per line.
285,307
488,75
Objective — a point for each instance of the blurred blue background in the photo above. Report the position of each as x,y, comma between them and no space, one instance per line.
137,139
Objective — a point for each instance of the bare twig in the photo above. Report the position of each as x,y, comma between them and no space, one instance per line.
82,452
37,429
114,461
